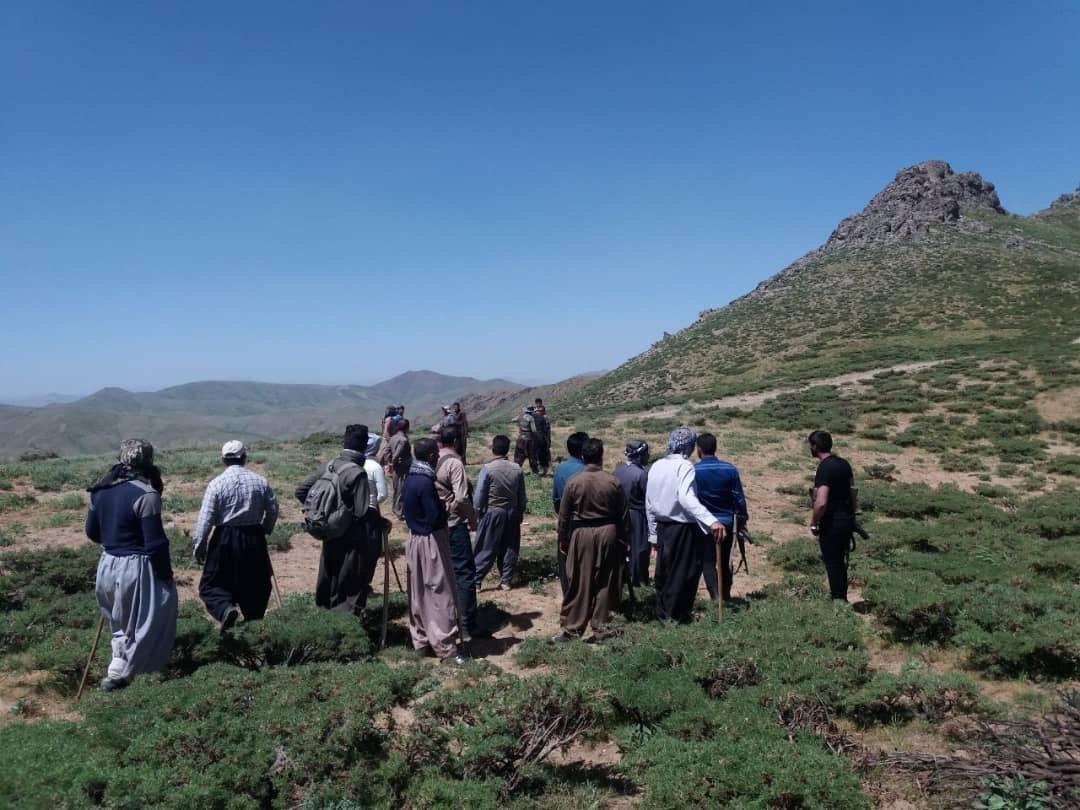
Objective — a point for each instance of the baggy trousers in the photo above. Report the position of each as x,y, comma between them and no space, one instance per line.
835,543
373,546
681,550
640,548
498,537
709,566
526,449
399,491
236,572
543,451
461,554
433,613
594,563
342,583
141,612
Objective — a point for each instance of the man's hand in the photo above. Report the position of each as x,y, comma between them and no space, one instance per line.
199,552
814,529
717,531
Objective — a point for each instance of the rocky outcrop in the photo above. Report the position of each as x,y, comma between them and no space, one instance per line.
1067,199
921,197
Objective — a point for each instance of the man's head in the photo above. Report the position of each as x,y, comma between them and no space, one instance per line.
403,426
529,409
233,452
401,410
372,448
425,450
138,454
637,451
681,440
820,442
592,452
356,437
448,436
538,402
456,407
706,445
500,445
575,442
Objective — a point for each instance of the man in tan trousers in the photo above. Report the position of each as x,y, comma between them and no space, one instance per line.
594,528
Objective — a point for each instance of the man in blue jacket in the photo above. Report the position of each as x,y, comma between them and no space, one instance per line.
135,588
720,491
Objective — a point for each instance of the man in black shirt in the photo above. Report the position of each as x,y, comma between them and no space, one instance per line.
833,521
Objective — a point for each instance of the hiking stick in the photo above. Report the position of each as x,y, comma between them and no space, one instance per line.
720,578
93,652
385,588
273,581
393,564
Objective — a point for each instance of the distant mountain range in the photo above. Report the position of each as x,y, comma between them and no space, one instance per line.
201,412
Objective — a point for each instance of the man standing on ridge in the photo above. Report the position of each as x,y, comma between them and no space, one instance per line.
340,584
563,473
526,440
500,502
593,529
833,518
634,480
238,511
679,525
462,423
720,490
135,590
452,484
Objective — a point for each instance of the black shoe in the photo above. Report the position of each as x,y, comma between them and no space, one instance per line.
230,618
112,684
564,636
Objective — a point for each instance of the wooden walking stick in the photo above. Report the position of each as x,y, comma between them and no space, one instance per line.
386,587
273,581
393,565
93,652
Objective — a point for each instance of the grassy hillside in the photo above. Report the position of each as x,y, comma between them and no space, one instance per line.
997,286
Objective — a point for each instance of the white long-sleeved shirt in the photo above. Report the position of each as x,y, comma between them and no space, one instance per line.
671,495
375,474
237,497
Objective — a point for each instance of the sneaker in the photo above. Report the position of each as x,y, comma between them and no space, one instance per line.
456,660
564,636
230,617
504,586
112,684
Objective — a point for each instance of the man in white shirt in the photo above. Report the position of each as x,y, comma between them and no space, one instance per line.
375,522
679,525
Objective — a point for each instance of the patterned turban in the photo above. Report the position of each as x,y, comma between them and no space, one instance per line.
138,454
373,443
636,450
681,440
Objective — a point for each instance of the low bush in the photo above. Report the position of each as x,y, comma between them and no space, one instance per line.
915,610
11,501
913,693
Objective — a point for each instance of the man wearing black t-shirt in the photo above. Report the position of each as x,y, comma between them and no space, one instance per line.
833,521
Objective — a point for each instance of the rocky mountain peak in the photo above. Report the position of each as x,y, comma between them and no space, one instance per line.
921,197
1067,199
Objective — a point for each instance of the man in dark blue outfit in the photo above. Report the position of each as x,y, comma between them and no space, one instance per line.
720,490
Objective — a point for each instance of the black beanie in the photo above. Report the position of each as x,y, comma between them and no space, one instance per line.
356,437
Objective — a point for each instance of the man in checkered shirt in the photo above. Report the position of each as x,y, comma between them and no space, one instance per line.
238,511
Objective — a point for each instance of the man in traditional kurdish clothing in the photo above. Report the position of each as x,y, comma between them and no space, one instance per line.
563,473
526,440
542,436
397,460
340,584
634,480
594,526
238,511
462,423
135,589
680,527
434,622
720,490
500,502
452,484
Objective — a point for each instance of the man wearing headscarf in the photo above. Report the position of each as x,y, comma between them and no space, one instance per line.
135,589
592,531
634,480
680,527
377,494
239,509
340,584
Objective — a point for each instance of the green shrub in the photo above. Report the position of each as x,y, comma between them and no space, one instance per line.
914,693
817,407
1064,465
10,534
797,556
280,540
10,501
922,609
297,633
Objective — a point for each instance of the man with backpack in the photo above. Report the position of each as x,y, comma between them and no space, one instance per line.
455,492
336,499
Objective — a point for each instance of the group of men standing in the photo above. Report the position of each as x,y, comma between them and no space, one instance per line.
534,438
609,525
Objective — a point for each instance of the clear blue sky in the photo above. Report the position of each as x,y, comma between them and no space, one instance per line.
196,190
